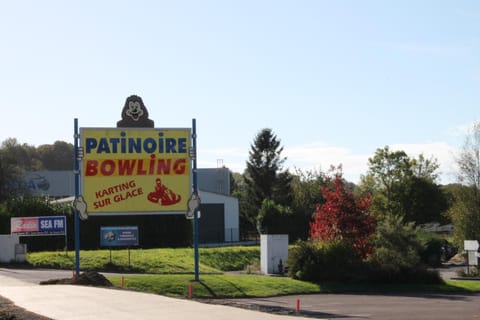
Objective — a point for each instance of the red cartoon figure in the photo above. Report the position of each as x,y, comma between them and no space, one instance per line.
163,194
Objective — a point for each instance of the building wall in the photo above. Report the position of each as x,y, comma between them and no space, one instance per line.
51,183
7,247
215,180
231,226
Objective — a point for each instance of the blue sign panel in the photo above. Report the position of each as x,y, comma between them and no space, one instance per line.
52,225
39,226
119,236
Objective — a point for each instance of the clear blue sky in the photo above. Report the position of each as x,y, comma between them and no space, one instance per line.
335,80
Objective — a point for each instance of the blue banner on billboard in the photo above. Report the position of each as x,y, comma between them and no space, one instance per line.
119,236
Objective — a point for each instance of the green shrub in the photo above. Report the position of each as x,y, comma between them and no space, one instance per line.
384,273
397,254
301,258
316,261
396,258
432,253
273,218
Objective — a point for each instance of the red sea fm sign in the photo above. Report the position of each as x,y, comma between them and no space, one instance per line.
136,171
38,226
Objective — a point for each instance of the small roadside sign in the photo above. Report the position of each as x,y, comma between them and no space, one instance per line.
38,226
119,236
470,245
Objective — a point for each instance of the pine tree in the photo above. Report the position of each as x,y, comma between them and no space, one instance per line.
264,176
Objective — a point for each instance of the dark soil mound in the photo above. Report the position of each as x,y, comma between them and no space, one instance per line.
88,278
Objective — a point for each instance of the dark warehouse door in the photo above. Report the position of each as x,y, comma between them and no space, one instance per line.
211,223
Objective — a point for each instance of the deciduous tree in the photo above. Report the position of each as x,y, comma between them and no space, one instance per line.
404,186
306,188
465,212
57,156
343,216
23,156
11,179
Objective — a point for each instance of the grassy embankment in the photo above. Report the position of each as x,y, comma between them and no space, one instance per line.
170,272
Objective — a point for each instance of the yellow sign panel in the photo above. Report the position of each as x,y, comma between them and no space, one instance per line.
139,170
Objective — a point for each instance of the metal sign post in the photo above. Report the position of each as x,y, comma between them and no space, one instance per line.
77,193
122,236
195,192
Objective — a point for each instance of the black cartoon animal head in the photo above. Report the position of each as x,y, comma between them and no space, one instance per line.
135,114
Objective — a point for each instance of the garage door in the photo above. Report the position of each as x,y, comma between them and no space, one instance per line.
212,223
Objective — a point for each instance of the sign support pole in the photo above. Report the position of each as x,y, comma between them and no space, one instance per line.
66,244
195,192
77,193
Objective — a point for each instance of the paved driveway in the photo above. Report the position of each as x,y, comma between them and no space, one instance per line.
363,306
326,306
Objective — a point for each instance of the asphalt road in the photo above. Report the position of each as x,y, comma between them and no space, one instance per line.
328,306
38,275
362,306
35,275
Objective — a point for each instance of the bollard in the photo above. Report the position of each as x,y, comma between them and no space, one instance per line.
298,305
123,282
190,291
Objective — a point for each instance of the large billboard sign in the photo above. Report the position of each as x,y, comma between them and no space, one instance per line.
38,226
136,170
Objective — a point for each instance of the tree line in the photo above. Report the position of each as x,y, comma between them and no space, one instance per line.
17,158
274,200
397,184
366,232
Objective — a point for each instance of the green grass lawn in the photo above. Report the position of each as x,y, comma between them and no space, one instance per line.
158,261
171,273
239,286
216,286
